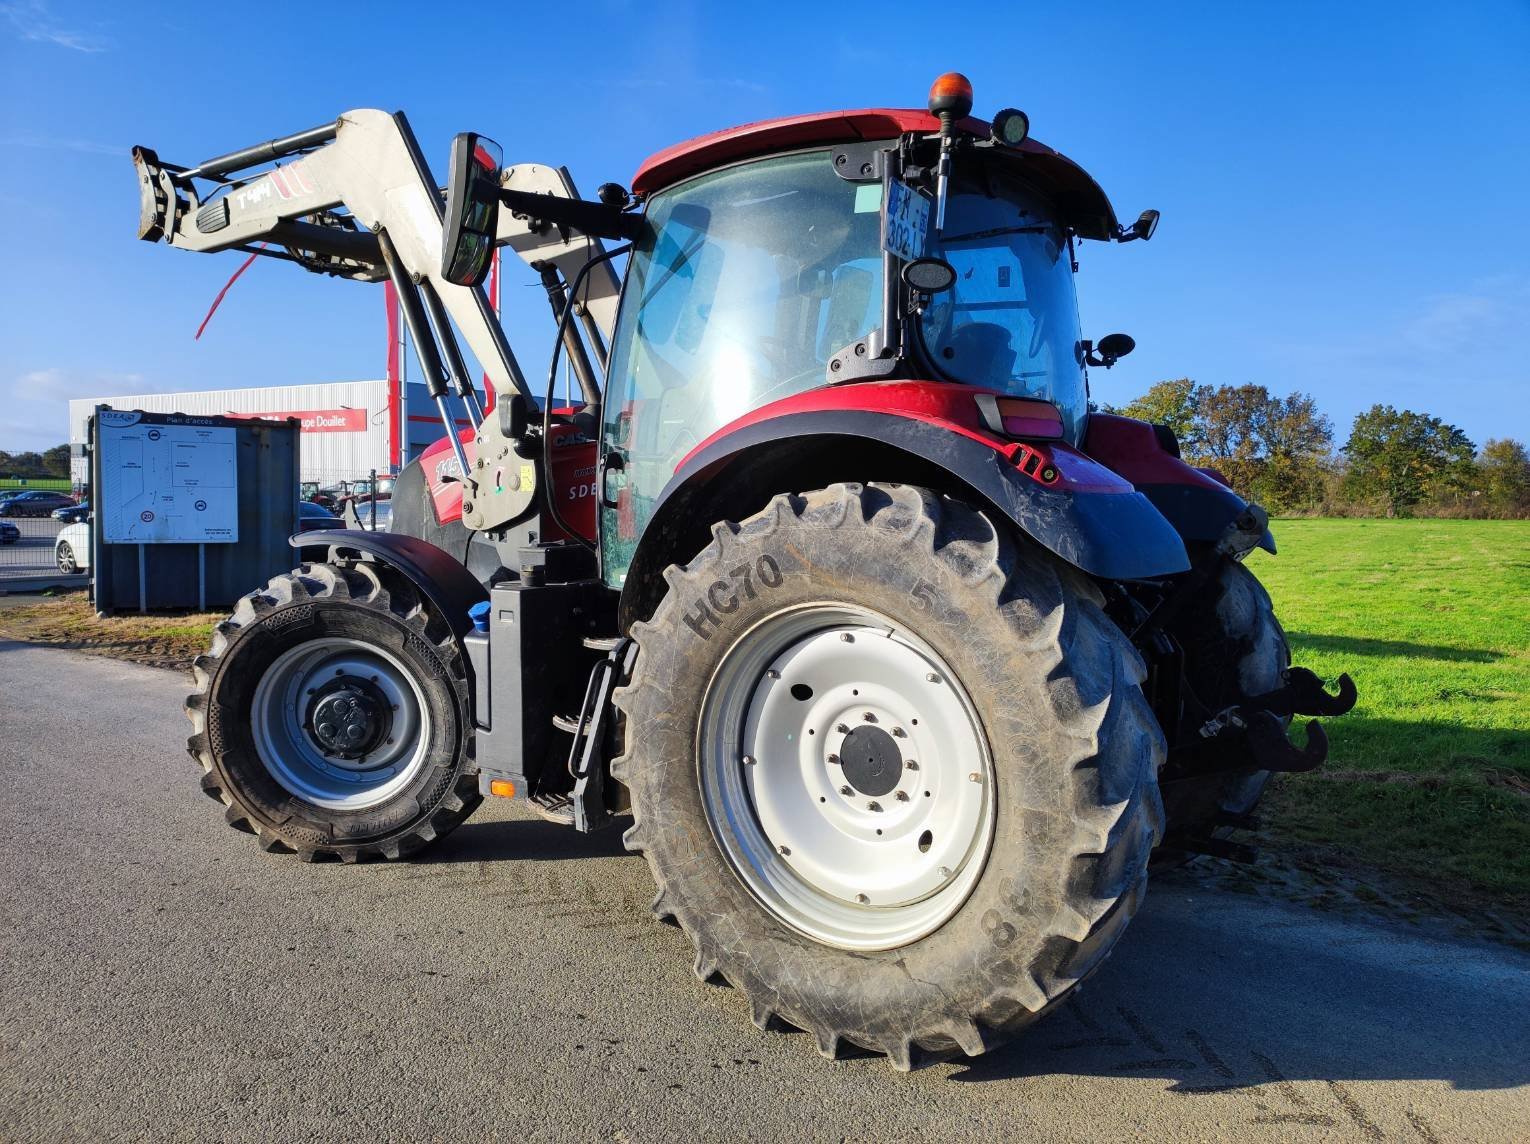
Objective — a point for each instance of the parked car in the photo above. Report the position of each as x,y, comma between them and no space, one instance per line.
73,514
9,533
34,502
312,516
71,549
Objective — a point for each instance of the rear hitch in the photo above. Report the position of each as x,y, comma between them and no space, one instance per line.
1264,739
1303,694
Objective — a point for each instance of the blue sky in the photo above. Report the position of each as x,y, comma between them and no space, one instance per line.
1345,187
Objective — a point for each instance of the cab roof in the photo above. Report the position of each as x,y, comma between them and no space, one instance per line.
1079,199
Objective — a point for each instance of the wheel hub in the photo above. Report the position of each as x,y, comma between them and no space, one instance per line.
871,760
348,717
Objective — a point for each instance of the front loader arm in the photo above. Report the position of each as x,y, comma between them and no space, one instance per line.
341,185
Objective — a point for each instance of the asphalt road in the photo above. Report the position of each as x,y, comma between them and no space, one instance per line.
163,979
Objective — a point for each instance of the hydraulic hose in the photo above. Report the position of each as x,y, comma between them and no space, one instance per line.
552,382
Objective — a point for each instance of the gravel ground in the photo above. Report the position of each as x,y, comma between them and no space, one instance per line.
163,979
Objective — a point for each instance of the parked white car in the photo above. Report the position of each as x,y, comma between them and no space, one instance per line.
71,550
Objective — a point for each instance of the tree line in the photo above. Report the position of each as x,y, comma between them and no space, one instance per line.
1279,451
52,462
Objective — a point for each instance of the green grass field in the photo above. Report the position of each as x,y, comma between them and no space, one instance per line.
1429,776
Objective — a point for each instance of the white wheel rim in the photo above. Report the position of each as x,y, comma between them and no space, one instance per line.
286,743
846,777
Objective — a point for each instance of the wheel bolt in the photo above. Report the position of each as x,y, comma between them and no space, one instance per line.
903,796
843,729
899,733
874,806
863,899
911,764
748,760
932,677
846,791
846,637
974,777
786,850
772,673
869,717
834,759
943,871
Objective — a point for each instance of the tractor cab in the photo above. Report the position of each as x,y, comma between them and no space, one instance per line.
811,265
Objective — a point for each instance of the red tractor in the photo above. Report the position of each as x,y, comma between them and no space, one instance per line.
901,660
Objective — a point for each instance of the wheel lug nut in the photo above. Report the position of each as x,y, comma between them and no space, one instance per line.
903,796
974,777
911,764
863,899
874,806
943,871
772,673
846,637
834,759
869,717
748,760
842,728
786,850
846,791
899,733
932,677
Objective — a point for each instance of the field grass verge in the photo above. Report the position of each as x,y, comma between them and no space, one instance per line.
1428,779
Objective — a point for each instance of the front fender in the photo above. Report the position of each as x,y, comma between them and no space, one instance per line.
435,573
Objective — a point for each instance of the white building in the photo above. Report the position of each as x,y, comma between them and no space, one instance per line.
349,427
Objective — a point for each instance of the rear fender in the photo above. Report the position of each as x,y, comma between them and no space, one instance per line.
921,433
435,573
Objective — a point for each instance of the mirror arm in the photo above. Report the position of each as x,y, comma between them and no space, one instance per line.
598,220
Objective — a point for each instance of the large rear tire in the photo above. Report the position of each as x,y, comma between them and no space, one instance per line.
331,718
874,683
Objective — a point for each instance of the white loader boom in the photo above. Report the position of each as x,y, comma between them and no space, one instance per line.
345,183
355,198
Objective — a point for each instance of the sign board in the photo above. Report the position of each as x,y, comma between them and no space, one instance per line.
165,483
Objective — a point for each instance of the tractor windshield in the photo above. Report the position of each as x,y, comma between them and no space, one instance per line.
745,283
1011,321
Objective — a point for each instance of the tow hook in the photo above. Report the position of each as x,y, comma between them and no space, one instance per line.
1303,694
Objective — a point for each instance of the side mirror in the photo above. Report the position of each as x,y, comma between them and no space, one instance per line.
1110,349
472,210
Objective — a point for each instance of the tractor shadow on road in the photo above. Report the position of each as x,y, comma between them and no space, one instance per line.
522,839
1281,1006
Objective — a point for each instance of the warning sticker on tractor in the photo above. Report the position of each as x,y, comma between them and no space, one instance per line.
166,484
906,223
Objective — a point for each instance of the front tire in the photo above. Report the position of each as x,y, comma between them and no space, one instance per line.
331,719
1033,739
